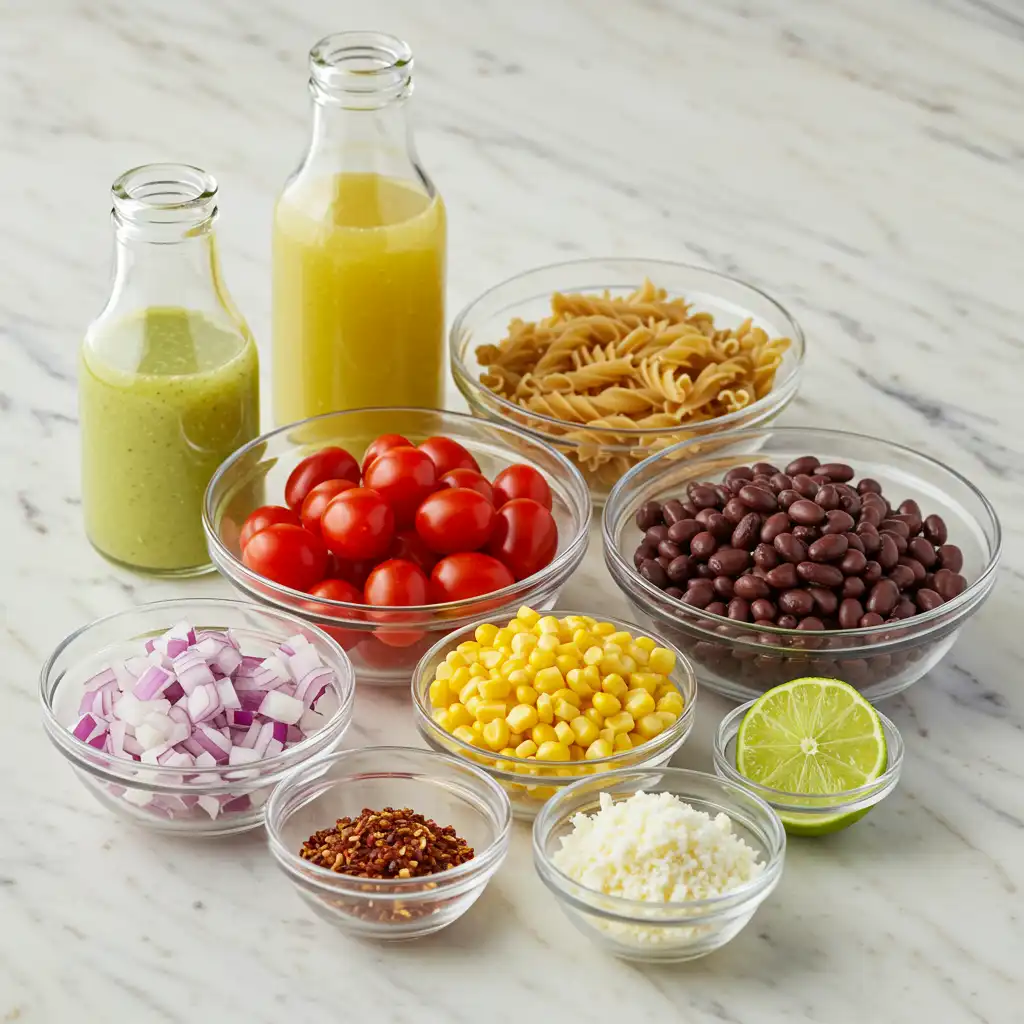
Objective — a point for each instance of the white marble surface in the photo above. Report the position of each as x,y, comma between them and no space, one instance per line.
861,159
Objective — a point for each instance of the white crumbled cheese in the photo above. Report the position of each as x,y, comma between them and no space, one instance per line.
656,848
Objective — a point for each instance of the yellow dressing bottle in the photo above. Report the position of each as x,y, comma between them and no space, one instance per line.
359,245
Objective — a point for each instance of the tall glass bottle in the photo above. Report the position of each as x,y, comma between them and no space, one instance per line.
168,376
359,244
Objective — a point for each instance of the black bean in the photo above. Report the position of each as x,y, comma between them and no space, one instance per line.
948,584
808,534
805,485
739,609
663,562
683,531
729,561
912,511
888,554
703,570
654,573
703,545
763,609
806,513
896,526
838,521
758,499
902,576
806,464
820,574
870,619
788,497
871,516
735,478
915,567
853,539
774,525
765,557
935,530
765,469
702,495
780,482
790,548
672,511
680,569
669,550
883,598
718,526
900,541
689,510
699,593
786,621
927,599
723,587
869,537
716,608
869,486
837,472
829,548
812,622
827,497
853,586
783,576
850,612
656,534
750,588
872,572
825,601
951,557
704,514
796,602
905,608
747,530
734,510
648,515
923,551
643,553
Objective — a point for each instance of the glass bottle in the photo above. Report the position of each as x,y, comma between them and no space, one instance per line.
359,244
168,376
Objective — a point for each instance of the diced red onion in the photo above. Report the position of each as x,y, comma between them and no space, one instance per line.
99,741
135,666
85,727
266,734
282,708
152,683
242,719
242,755
228,660
174,692
205,760
192,671
105,678
228,698
274,747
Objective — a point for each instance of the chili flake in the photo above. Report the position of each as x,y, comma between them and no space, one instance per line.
387,844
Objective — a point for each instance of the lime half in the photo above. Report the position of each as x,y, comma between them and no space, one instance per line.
812,738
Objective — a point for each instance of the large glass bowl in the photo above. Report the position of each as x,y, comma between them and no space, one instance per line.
529,782
661,932
385,648
214,801
605,453
742,660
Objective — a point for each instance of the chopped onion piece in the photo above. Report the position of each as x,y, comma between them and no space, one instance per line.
105,678
242,755
152,683
149,737
282,708
205,760
228,698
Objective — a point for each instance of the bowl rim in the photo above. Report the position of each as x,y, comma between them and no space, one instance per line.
78,751
391,888
826,804
618,565
361,614
671,911
679,730
778,396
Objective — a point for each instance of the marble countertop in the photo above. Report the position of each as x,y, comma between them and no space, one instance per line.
862,161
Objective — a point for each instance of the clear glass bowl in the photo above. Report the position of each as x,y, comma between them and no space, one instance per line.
603,453
440,788
661,932
386,649
215,801
548,778
741,660
806,815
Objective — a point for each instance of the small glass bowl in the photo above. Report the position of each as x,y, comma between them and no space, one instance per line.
385,648
547,778
216,801
805,815
605,453
741,660
661,932
439,787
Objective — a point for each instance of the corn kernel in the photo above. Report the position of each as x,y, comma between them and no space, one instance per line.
552,751
525,694
477,727
614,684
576,752
599,748
479,671
515,627
526,749
491,659
541,792
519,677
440,697
494,689
620,723
469,649
523,643
650,726
611,664
595,716
638,654
566,663
583,639
505,766
549,642
621,638
593,655
622,742
603,628
662,660
464,733
567,695
636,739
564,733
509,751
443,719
455,659
564,710
592,677
584,730
578,684
645,643
527,616
485,634
467,689
542,733
548,624
545,709
607,734
667,717
548,680
638,703
503,638
574,622
606,704
459,714
542,659
496,733
515,738
671,702
444,671
522,718
649,681
472,704
488,710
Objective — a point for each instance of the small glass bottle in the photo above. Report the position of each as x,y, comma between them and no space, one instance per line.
168,376
359,244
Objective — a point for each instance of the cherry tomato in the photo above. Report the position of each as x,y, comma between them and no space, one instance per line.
317,501
383,444
385,656
448,455
337,590
327,464
469,478
409,545
358,523
288,555
455,519
396,582
352,570
266,515
525,537
521,481
468,574
403,477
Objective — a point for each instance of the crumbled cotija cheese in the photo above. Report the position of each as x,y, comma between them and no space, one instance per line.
655,847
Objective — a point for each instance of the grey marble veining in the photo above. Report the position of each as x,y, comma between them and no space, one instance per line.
861,160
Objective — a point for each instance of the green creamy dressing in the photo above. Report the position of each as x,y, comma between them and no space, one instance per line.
164,397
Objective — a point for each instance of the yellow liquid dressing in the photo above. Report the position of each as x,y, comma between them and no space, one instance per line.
358,276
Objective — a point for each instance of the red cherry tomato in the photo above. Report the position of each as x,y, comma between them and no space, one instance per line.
448,455
357,524
525,537
288,555
409,545
403,477
469,478
317,501
468,574
383,444
265,516
351,570
327,464
337,590
455,519
396,582
521,481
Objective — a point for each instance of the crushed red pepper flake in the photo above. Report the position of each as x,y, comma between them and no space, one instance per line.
387,844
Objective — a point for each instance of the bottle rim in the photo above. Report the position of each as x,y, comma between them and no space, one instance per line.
165,194
363,70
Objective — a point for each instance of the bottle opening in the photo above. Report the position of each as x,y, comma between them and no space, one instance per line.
172,195
361,69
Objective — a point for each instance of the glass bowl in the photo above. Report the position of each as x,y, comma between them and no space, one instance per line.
805,815
440,788
605,453
214,801
548,778
741,660
661,932
385,650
